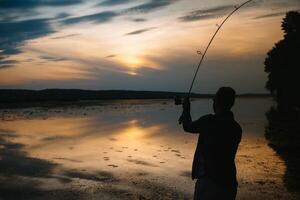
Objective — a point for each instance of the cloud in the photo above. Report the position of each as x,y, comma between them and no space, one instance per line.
140,31
22,4
107,16
14,34
62,15
138,20
150,6
114,2
206,13
13,10
111,56
52,58
9,15
96,18
4,64
270,15
65,36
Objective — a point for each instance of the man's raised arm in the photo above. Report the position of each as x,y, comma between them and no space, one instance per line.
186,119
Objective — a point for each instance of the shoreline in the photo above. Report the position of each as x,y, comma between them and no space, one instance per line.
99,102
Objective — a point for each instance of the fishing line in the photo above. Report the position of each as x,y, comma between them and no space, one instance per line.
212,38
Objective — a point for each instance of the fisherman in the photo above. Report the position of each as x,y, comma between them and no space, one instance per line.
214,159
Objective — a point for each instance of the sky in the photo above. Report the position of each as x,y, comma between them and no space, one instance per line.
137,44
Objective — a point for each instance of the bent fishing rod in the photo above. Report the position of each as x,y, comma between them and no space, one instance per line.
236,8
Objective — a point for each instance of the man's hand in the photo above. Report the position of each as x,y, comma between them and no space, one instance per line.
186,108
186,105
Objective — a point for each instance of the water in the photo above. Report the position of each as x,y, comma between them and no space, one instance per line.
126,150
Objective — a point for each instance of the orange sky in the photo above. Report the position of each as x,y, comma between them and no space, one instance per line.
144,45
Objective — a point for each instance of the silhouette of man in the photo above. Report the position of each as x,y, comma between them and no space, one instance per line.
214,159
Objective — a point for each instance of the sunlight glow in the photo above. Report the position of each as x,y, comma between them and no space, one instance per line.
134,133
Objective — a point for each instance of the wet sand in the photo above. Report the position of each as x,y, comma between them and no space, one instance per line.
124,150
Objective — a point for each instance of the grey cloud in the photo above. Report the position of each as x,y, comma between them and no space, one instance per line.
206,13
107,16
14,15
22,4
7,63
111,56
138,20
148,71
65,36
62,15
8,50
151,6
54,138
144,7
5,66
114,2
96,18
140,31
14,34
270,15
53,58
13,10
279,3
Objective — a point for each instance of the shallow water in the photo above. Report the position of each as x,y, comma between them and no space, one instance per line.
126,150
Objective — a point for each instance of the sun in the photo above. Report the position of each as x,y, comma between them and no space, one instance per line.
132,63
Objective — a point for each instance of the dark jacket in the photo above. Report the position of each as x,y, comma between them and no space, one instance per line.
217,145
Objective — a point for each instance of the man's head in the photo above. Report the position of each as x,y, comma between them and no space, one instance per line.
224,99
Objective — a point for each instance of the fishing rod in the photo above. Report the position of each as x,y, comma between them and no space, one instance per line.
236,8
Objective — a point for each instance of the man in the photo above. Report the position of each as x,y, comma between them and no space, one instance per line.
214,159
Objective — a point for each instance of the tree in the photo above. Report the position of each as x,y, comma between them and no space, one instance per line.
283,65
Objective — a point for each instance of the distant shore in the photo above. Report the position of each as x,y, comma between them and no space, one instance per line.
61,97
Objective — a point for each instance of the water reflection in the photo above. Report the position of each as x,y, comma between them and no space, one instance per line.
282,132
138,142
84,141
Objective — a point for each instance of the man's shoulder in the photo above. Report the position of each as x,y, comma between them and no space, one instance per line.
207,117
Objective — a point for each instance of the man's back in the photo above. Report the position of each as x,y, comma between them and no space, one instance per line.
216,148
214,159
